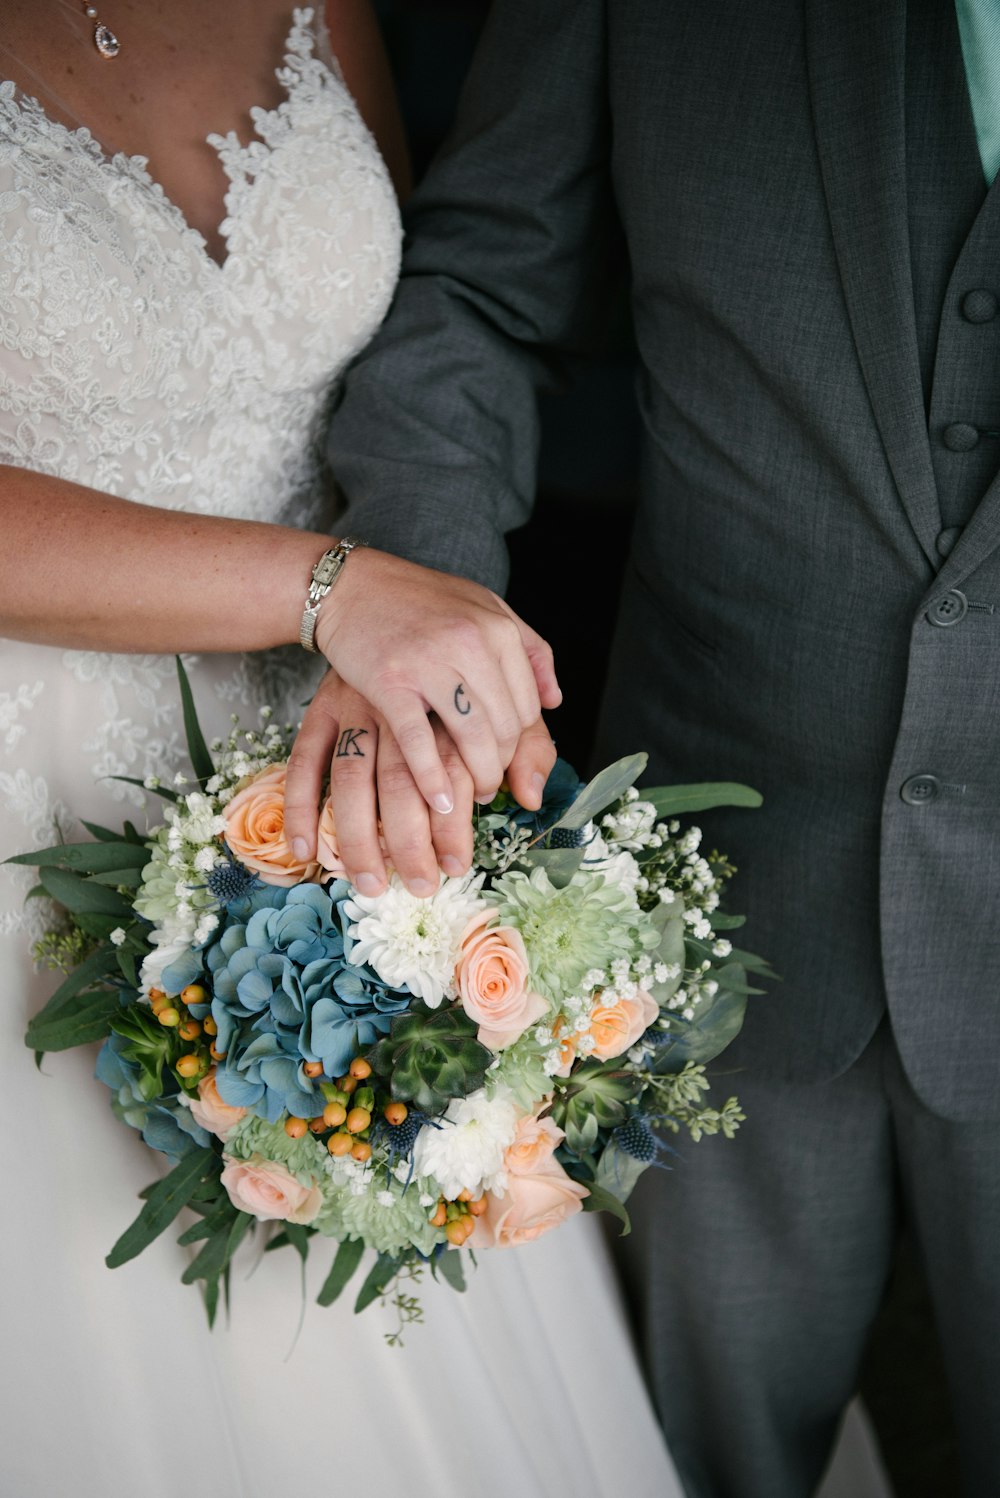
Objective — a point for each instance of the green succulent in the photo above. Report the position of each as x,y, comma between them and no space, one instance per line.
595,1098
431,1056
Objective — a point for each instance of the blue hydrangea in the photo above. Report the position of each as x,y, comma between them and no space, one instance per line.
165,1124
284,994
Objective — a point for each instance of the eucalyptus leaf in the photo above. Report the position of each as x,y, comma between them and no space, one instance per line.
608,786
676,800
80,1019
450,1268
298,1236
102,834
212,1299
217,1252
602,1200
81,896
381,1274
717,1021
618,1172
673,952
154,790
201,760
348,1257
163,1202
721,922
559,863
87,858
92,968
120,878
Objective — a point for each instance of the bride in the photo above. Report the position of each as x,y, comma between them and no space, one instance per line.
174,317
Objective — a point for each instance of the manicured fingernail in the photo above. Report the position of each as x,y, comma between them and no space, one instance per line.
420,887
484,800
367,884
442,803
452,866
300,847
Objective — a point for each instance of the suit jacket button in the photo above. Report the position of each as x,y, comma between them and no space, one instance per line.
945,543
920,789
979,306
950,608
960,437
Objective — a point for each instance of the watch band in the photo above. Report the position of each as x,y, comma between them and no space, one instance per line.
324,575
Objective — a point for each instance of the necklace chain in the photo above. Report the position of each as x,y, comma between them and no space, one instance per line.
105,40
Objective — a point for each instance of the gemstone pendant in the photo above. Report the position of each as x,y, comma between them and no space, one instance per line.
106,42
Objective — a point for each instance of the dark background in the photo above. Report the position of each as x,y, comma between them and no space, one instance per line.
572,553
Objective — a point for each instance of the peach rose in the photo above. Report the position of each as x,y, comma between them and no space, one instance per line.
267,1190
567,1047
535,1141
255,831
211,1112
535,1201
492,979
616,1027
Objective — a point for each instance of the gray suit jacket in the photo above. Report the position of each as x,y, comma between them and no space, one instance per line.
774,626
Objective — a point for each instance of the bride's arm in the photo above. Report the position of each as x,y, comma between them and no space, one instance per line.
83,569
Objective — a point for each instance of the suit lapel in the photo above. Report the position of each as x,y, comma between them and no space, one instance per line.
857,69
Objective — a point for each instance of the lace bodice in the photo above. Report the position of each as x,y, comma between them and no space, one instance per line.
131,362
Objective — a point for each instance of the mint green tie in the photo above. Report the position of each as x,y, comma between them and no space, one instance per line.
979,28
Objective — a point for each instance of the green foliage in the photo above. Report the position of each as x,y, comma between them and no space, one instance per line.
449,1267
608,786
163,1202
151,1046
378,1281
716,1022
678,800
201,760
348,1257
82,1018
431,1056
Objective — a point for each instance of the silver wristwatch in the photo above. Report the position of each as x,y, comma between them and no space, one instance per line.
324,575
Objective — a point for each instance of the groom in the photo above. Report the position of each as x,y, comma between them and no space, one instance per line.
812,606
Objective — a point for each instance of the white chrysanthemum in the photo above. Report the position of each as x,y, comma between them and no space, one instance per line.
413,943
619,867
170,940
467,1152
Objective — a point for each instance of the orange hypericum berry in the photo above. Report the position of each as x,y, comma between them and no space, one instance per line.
295,1127
358,1119
189,1066
318,1125
189,1030
395,1113
455,1232
334,1115
440,1216
361,1151
313,1068
360,1068
465,1195
194,994
340,1144
170,1017
347,1084
209,1026
478,1207
215,1053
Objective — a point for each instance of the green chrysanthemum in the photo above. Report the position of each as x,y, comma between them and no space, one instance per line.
389,1220
306,1157
158,897
569,932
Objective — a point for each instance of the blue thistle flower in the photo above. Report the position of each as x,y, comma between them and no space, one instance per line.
231,882
637,1139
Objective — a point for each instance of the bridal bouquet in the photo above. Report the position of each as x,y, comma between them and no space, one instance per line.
411,1076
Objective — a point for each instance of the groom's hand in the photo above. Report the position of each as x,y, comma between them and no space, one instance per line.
418,642
371,781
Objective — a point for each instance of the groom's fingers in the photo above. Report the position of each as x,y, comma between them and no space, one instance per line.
353,798
307,765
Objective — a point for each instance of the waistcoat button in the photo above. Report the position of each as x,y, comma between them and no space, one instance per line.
979,306
960,437
920,789
949,609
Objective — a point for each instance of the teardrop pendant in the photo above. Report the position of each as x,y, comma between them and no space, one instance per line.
105,40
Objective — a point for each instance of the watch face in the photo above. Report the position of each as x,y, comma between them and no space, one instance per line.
326,568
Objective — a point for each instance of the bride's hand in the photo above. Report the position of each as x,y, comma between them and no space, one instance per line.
415,642
369,778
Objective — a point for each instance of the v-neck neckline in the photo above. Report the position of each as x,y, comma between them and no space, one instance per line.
139,165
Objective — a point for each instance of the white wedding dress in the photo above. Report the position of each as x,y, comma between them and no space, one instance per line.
132,362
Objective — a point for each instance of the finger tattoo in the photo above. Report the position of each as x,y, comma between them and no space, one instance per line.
348,744
465,708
